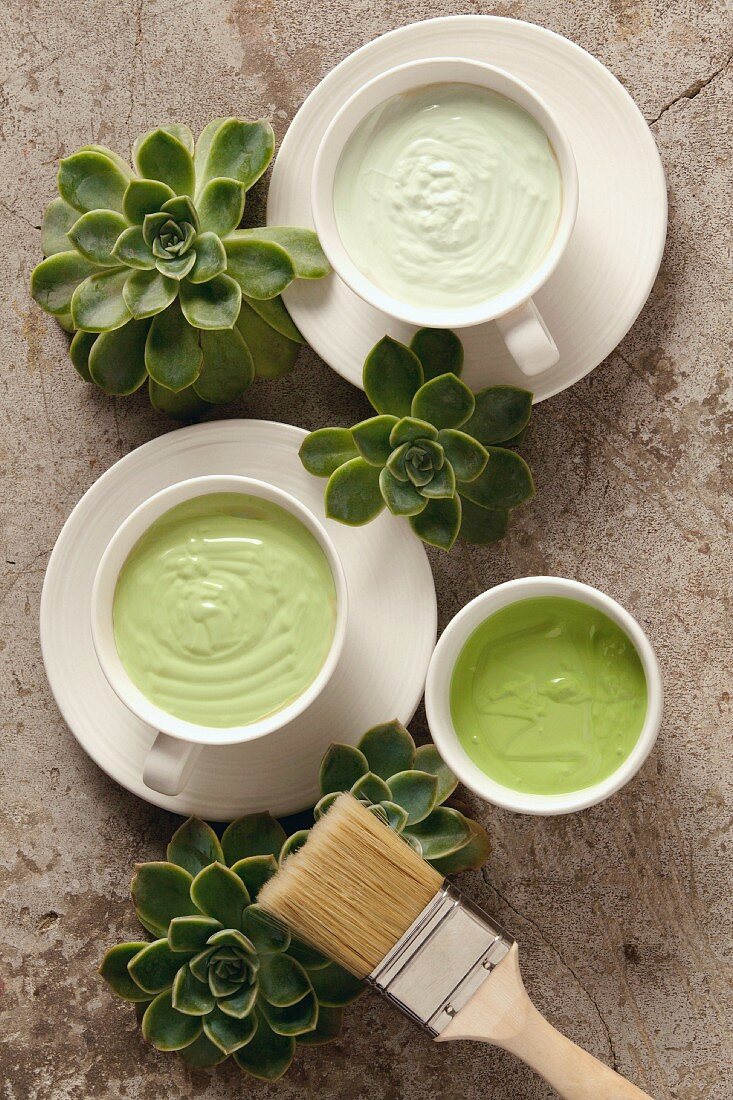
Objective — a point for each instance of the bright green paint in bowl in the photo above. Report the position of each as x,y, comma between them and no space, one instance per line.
548,696
224,611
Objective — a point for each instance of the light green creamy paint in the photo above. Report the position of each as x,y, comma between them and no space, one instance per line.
225,609
447,196
548,696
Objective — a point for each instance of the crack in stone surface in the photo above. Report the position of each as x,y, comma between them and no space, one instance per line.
565,963
694,89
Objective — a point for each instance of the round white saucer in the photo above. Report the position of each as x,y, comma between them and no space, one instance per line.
609,267
390,634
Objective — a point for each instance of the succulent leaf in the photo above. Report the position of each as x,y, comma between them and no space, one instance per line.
274,313
202,1054
439,523
352,494
372,438
443,832
156,965
262,269
178,267
505,483
227,369
166,1028
396,816
221,206
159,155
302,246
55,280
194,845
293,843
182,211
408,429
388,749
220,894
341,767
241,1003
234,149
268,937
445,401
98,304
267,1055
371,788
148,292
213,304
132,249
465,454
335,987
323,451
480,526
439,350
253,835
283,981
90,180
173,355
273,354
117,358
144,197
307,956
501,413
295,1019
189,995
95,234
327,1029
228,1032
184,405
471,856
442,484
191,933
58,218
254,872
401,497
81,346
211,259
392,376
416,792
428,759
114,970
324,804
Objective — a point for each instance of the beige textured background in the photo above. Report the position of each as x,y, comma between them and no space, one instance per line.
624,911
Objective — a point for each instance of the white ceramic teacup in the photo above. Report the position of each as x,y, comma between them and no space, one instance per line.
440,672
524,332
175,749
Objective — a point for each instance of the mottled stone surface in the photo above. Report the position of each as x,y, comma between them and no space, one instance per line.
623,912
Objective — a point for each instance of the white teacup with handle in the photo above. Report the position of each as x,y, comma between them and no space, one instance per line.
520,323
175,749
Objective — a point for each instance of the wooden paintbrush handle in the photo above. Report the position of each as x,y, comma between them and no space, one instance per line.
500,1012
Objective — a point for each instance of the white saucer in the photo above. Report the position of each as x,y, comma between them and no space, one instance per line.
609,267
381,674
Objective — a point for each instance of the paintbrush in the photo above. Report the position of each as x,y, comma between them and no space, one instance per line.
358,893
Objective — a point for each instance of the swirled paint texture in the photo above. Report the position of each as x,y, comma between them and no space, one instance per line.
224,611
448,196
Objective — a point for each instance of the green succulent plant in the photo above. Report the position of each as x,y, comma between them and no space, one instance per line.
431,453
221,978
405,787
149,271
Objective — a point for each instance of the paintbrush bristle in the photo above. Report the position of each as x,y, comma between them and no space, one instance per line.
353,889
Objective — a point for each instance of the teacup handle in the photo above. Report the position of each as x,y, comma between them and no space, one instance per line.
169,764
528,339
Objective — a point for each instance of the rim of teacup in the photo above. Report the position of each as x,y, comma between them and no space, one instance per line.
105,580
437,696
408,77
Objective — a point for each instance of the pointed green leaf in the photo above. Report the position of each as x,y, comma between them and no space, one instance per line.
90,180
307,956
401,497
241,1003
392,376
416,792
439,350
327,1029
97,304
324,804
445,401
211,259
352,493
481,526
335,987
439,523
252,835
235,150
158,155
267,1056
191,933
177,268
262,269
114,971
428,759
505,483
194,845
221,206
148,292
396,815
172,352
160,892
55,279
340,768
155,966
470,857
324,450
371,788
227,369
79,351
117,359
272,353
184,405
202,1054
211,305
293,843
220,894
388,748
501,413
144,197
58,218
266,934
274,313
372,438
182,210
182,132
295,1019
166,1028
302,246
95,234
442,484
466,455
409,429
131,249
200,963
254,872
283,981
443,832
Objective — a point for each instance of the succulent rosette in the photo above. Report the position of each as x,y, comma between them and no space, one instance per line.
406,788
432,451
148,269
221,978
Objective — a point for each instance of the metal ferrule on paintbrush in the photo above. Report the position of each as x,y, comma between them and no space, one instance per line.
445,955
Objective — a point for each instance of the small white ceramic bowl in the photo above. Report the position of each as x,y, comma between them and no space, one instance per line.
406,78
174,751
437,695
